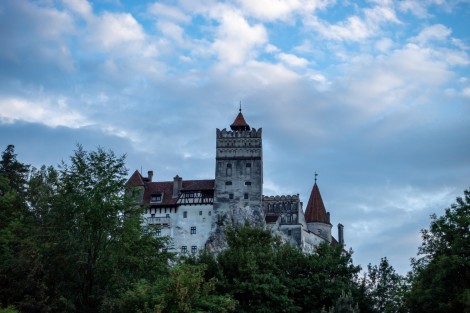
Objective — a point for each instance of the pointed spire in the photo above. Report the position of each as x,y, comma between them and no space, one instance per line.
315,211
240,123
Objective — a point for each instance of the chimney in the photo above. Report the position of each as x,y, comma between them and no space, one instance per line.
340,234
177,185
150,176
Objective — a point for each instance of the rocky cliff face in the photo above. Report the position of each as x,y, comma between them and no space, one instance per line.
234,217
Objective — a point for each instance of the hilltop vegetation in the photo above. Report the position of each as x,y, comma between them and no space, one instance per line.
71,241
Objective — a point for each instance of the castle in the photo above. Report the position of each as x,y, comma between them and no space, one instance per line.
193,213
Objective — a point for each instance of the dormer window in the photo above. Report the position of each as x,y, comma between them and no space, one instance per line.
156,198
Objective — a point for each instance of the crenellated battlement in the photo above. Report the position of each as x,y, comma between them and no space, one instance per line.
252,133
281,198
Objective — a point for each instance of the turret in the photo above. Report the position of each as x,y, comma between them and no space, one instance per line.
316,217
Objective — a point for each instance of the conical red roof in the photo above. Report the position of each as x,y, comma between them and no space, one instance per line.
240,123
316,211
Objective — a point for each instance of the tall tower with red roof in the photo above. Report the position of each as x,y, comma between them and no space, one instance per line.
239,167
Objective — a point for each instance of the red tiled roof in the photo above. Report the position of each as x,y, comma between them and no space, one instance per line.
240,123
207,184
167,189
316,211
135,179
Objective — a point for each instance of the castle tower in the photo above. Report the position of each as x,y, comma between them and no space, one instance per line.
316,217
239,167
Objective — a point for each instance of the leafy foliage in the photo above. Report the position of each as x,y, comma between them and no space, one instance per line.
386,288
441,277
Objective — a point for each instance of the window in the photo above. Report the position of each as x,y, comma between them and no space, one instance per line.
156,197
289,232
245,196
193,249
230,196
228,183
248,183
210,213
185,214
184,249
200,212
158,232
167,215
228,171
248,169
193,230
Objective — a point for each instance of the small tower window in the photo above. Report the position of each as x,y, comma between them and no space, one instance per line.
245,196
193,230
193,249
229,170
248,169
228,183
158,232
248,183
230,196
185,214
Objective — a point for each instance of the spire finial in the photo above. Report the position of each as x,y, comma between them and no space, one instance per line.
316,177
240,110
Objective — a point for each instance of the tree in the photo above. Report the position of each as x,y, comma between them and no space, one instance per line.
183,290
21,268
344,304
92,242
385,287
441,276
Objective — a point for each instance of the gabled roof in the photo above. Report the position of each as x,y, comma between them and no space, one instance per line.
135,180
316,211
240,123
166,188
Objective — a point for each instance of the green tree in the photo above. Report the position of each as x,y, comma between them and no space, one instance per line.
92,241
441,276
183,290
344,304
21,268
386,288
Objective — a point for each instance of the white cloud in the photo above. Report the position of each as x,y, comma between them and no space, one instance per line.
237,40
50,112
271,10
466,92
437,32
81,7
384,44
354,28
168,12
417,8
292,60
172,31
112,30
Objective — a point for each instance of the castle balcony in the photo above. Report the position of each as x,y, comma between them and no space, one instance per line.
158,221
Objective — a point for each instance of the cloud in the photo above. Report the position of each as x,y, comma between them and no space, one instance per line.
237,41
50,112
167,12
292,60
116,30
272,10
354,28
437,32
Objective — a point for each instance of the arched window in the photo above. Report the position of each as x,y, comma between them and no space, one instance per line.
228,171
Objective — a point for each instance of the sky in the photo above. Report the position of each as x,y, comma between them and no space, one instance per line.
374,96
